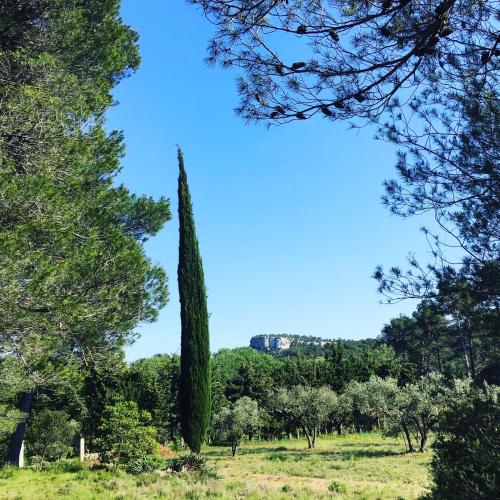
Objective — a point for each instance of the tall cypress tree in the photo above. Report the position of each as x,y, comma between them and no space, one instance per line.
195,351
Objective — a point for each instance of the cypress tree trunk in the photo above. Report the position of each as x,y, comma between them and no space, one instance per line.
194,390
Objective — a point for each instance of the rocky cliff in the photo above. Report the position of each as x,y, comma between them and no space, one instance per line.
270,342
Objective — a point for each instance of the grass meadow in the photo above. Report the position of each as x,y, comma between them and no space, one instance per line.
364,466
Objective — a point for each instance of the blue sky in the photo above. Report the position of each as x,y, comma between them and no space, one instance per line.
289,219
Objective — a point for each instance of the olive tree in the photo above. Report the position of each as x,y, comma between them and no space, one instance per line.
230,424
308,407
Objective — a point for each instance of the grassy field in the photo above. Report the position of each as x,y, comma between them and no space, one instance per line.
355,466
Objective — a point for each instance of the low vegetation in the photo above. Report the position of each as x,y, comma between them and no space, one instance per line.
351,466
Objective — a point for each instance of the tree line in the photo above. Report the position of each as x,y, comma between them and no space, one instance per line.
410,350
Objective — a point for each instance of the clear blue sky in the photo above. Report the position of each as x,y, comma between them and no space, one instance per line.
289,219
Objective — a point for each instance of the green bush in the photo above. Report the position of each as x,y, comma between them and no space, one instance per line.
337,487
192,462
125,435
146,464
67,465
50,436
466,462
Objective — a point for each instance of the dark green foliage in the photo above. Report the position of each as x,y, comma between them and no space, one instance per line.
75,280
126,435
190,462
149,463
194,463
242,372
154,385
309,346
50,435
455,334
466,462
194,389
100,389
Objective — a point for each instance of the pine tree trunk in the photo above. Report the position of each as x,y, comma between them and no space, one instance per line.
464,346
17,438
471,350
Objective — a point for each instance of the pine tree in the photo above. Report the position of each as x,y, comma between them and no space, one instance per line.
195,350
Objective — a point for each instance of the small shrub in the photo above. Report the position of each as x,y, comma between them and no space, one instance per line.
36,463
65,490
67,465
111,485
145,464
8,472
82,475
147,479
192,463
208,473
337,487
125,435
286,488
188,463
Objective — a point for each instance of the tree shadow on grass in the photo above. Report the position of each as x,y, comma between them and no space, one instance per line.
348,455
354,444
251,451
293,454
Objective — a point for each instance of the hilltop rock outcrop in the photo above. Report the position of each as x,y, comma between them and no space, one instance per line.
270,342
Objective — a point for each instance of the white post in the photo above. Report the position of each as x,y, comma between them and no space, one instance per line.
21,456
82,449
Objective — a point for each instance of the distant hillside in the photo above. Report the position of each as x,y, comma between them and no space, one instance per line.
285,345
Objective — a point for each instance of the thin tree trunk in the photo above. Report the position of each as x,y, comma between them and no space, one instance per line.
423,440
438,353
471,350
309,438
411,448
464,347
17,438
